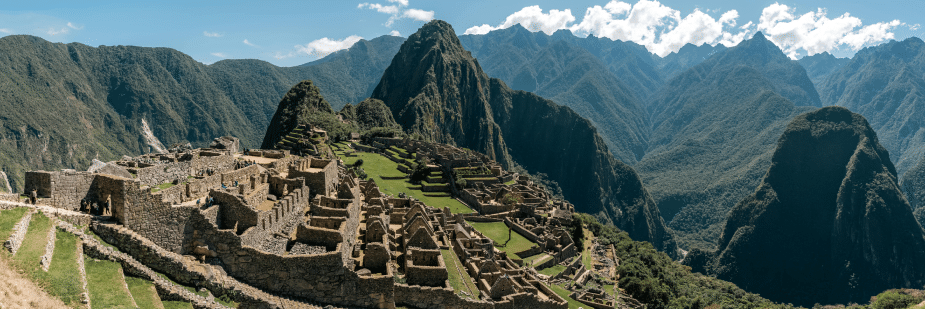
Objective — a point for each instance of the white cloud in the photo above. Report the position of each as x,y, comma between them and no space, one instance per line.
813,32
5,30
663,30
325,46
220,55
392,33
72,26
421,15
397,12
211,34
53,31
532,18
248,43
388,9
915,27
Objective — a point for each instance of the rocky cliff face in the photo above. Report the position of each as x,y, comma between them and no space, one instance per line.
434,87
827,224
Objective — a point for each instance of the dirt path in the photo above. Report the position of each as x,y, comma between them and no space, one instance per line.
18,292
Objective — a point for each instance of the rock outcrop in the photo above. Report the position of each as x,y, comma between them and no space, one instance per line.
435,88
827,224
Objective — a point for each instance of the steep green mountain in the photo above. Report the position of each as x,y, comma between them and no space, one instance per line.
886,84
819,66
435,88
581,73
65,104
298,106
715,127
827,224
688,56
913,185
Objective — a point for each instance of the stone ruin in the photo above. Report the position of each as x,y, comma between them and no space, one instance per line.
307,228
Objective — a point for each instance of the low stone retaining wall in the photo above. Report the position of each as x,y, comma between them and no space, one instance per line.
19,233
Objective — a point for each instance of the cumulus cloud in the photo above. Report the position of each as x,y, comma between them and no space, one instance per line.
220,55
398,11
813,32
53,31
211,34
663,30
416,14
532,18
392,33
5,30
388,9
325,46
248,43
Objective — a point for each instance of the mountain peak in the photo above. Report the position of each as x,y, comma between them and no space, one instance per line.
828,215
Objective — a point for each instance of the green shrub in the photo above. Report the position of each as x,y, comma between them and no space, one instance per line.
893,300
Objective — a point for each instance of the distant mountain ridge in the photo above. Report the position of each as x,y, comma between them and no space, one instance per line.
714,130
886,84
66,104
828,223
435,88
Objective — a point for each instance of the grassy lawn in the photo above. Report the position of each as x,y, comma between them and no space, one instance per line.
586,257
33,246
377,166
460,280
8,219
552,271
162,187
498,232
177,305
144,293
105,284
537,259
511,183
572,304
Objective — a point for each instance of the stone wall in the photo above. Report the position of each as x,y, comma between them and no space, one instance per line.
65,189
170,171
152,218
233,210
321,277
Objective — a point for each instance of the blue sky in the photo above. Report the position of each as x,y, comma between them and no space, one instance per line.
288,33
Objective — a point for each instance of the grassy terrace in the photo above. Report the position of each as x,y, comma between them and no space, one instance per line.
104,280
498,232
572,304
552,271
460,280
61,280
144,293
8,219
377,166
